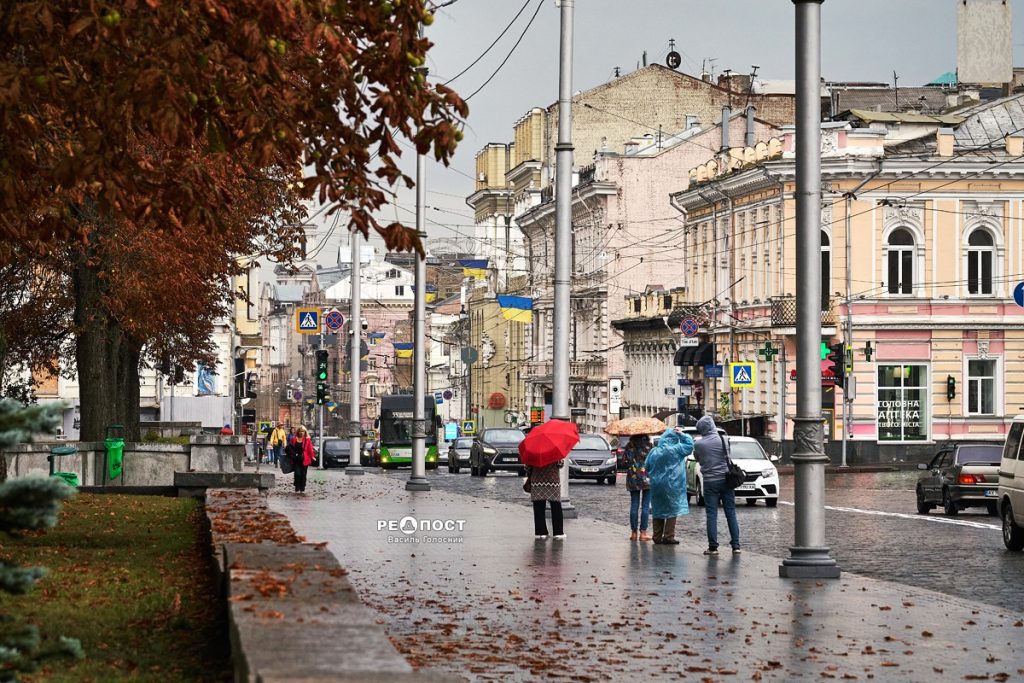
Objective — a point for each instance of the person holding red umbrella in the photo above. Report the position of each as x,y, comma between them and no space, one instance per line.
543,452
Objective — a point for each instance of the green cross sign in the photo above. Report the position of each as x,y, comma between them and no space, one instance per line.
824,350
768,352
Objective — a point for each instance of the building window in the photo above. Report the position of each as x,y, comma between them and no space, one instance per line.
392,274
902,402
636,305
981,387
901,262
826,268
980,254
399,290
667,302
373,391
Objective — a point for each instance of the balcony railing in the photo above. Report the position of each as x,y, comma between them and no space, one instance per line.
784,312
578,369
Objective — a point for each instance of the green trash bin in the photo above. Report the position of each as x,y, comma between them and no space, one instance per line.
70,478
115,451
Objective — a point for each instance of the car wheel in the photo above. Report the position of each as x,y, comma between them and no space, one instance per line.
751,502
1013,535
474,471
700,494
522,471
948,506
923,507
483,471
611,480
771,502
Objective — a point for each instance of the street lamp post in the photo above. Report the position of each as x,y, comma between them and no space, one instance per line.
418,480
355,315
809,556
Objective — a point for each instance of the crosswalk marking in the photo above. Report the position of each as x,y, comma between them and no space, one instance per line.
903,515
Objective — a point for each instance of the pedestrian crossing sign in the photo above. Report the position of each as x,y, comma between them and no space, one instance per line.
742,375
307,320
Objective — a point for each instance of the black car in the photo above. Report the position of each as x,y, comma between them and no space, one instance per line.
960,476
496,449
337,452
458,453
592,458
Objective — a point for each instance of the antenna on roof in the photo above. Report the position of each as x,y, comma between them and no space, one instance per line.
896,87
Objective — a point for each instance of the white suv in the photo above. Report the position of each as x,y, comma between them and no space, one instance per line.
1011,486
762,482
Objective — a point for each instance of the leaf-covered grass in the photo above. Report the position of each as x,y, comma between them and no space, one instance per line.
131,577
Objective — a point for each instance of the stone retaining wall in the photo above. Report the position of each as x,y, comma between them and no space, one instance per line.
293,615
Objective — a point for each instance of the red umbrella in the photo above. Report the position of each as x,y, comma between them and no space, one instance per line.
548,443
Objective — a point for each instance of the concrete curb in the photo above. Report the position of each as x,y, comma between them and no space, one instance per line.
296,596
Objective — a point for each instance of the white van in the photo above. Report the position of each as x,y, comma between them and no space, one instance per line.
1011,486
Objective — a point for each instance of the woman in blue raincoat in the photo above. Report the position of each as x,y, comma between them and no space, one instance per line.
666,468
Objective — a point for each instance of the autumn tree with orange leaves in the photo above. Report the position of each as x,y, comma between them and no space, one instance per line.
145,144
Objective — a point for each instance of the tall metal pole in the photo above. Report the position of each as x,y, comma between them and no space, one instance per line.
320,447
418,480
563,238
354,332
848,341
809,557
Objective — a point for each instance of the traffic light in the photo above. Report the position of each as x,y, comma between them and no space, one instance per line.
321,376
837,362
950,387
250,384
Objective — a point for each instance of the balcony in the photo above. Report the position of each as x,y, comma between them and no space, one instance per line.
784,311
579,370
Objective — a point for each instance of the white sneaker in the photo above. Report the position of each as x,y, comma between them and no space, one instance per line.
541,537
559,537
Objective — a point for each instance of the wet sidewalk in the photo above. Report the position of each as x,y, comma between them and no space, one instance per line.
472,593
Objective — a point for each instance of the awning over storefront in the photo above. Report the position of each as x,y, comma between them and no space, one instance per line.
701,355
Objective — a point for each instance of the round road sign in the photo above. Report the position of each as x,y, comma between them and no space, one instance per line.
688,327
1018,294
334,320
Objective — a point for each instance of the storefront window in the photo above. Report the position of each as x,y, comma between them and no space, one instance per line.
981,387
902,402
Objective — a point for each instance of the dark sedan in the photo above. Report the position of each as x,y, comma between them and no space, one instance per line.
960,476
458,453
496,449
592,458
337,452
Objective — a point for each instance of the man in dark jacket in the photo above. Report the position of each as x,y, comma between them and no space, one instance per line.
712,452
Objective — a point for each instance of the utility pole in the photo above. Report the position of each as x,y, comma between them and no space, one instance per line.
418,480
563,238
354,326
809,556
320,448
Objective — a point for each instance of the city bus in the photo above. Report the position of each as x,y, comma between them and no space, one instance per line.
395,428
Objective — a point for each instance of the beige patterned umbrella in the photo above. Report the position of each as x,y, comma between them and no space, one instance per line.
633,426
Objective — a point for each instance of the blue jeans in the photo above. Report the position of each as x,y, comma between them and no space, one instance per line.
713,492
277,451
636,510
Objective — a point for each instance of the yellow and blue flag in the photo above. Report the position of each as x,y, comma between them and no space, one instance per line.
516,308
403,349
374,337
474,268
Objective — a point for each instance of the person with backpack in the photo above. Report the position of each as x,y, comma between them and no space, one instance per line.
712,452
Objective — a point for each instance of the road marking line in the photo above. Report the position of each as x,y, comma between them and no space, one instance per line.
902,515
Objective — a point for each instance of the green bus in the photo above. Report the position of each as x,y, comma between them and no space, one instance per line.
395,445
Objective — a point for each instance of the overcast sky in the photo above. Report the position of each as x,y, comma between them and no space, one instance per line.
864,40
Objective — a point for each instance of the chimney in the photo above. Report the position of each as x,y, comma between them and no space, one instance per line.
751,110
726,113
1015,144
944,138
706,77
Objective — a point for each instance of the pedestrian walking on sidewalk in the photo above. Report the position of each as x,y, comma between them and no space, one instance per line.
712,452
300,450
639,486
278,440
666,468
546,488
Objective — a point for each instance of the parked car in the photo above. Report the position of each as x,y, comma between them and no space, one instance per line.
620,451
370,455
496,449
762,481
1011,486
337,452
458,453
592,458
960,476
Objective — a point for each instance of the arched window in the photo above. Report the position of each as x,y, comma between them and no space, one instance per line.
826,269
901,262
980,254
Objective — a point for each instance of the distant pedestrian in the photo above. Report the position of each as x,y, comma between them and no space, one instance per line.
546,487
300,450
639,486
278,440
666,468
712,452
226,430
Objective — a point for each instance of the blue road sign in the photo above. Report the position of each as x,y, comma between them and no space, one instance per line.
451,431
712,370
438,398
688,327
334,320
307,320
1018,294
741,375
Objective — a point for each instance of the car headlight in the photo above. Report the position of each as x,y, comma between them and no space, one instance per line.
609,461
431,456
384,458
768,473
489,451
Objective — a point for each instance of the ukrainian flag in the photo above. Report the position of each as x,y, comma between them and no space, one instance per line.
474,268
430,295
374,337
403,349
516,308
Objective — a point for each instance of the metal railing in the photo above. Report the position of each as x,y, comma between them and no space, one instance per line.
784,311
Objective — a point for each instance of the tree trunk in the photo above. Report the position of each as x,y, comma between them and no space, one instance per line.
97,354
